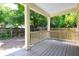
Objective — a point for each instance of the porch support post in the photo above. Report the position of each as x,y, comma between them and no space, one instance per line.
48,27
27,27
48,23
78,21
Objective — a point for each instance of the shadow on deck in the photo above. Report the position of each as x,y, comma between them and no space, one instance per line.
49,48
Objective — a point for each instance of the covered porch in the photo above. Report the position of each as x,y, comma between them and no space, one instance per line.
49,42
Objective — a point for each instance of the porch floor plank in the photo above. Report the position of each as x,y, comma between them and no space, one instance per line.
51,48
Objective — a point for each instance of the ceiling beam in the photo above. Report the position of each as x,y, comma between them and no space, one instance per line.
43,12
38,9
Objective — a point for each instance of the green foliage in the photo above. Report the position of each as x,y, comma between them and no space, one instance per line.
5,35
37,20
12,17
67,20
3,13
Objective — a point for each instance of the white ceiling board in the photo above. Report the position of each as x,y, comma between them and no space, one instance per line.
55,7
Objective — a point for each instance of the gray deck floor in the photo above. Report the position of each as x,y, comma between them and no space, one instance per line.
49,48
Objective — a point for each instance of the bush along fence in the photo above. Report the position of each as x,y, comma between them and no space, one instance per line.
7,33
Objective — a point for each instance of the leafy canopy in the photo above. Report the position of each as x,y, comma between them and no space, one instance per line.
64,21
37,20
11,17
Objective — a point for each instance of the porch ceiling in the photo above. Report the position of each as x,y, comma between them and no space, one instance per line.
54,8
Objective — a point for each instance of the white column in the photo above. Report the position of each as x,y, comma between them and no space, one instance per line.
27,26
78,21
48,23
78,17
48,27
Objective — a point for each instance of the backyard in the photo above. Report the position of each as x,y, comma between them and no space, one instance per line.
12,30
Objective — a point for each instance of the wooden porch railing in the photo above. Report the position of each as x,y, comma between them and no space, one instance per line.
64,35
60,34
38,36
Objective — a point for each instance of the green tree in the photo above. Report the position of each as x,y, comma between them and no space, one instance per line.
37,20
17,16
11,17
68,20
55,21
4,11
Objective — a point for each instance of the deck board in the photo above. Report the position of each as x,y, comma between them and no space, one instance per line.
39,47
71,51
63,51
77,51
53,51
48,51
60,51
57,50
51,48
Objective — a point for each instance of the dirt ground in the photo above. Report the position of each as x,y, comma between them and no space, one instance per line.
17,42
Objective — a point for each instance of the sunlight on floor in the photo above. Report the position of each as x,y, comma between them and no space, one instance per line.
8,51
71,43
1,43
